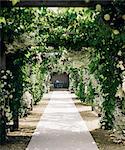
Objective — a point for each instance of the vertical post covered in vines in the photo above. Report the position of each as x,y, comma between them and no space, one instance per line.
14,63
2,112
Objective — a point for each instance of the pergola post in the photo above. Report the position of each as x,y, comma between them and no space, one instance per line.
2,112
2,51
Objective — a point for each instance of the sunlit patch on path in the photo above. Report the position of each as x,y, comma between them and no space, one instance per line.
61,127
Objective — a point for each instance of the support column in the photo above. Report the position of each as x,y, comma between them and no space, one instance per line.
2,112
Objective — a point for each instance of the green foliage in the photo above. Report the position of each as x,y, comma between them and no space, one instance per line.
74,78
6,97
81,91
6,93
15,63
90,93
81,88
37,83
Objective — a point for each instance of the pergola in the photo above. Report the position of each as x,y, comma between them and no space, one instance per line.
48,3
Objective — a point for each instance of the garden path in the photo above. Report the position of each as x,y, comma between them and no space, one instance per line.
61,127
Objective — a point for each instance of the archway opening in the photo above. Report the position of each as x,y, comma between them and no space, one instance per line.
60,80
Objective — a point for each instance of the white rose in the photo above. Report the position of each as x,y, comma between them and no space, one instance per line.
7,92
4,90
123,86
4,77
2,71
119,93
6,96
107,17
8,71
121,67
123,17
9,85
5,83
117,65
98,7
116,32
120,62
2,85
11,77
119,53
11,96
13,89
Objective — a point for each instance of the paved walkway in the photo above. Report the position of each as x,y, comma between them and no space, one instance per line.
61,127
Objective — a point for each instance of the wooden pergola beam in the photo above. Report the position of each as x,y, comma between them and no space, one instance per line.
57,3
